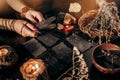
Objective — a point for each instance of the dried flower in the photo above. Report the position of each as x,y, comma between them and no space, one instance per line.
79,69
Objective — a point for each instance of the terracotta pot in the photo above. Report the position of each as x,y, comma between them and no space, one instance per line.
105,47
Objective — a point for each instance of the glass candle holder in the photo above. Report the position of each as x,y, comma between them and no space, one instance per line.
32,69
8,57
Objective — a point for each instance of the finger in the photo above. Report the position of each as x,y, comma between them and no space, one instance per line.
26,32
32,19
32,27
40,18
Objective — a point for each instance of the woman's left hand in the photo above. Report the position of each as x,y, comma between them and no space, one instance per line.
34,16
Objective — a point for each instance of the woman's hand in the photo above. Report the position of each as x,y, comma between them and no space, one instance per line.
26,11
34,16
25,29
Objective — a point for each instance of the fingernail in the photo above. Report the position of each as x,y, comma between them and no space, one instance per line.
36,34
35,28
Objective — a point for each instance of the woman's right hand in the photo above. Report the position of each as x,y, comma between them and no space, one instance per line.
25,28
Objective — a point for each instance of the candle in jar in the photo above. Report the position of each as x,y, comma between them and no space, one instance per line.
8,57
68,29
3,52
32,69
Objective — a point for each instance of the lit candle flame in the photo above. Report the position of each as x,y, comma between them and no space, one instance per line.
67,26
3,52
37,66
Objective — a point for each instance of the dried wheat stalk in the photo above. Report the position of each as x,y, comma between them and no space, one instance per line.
79,70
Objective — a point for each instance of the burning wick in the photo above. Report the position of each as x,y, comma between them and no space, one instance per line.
68,29
35,68
3,52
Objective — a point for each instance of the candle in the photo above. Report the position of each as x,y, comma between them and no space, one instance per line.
32,69
68,29
3,52
8,57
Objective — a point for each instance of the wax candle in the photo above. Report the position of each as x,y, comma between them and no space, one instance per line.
68,29
32,69
3,52
8,57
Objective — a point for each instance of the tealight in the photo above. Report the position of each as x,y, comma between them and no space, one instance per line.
68,29
8,57
32,69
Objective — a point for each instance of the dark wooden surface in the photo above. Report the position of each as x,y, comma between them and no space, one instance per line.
55,49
